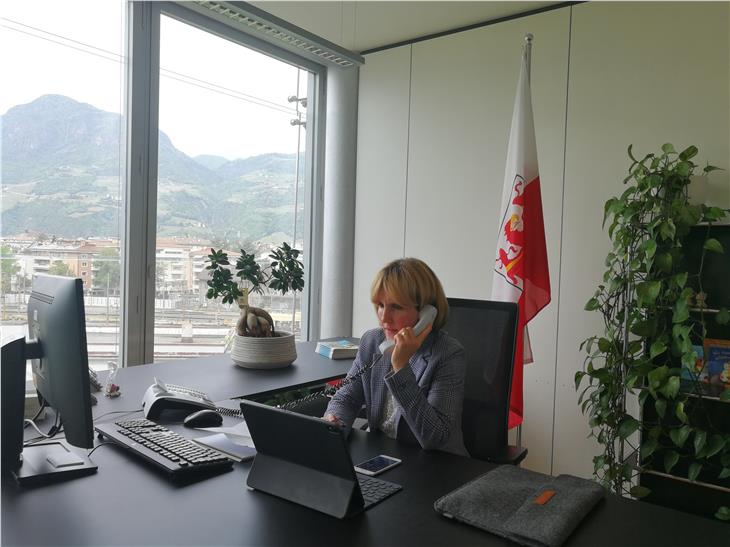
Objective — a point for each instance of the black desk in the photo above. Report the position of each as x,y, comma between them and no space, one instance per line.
221,379
129,503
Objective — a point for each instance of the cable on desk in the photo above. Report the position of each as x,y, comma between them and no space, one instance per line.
55,429
117,412
34,426
230,412
97,446
34,418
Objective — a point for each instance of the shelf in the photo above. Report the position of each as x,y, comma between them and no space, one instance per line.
710,392
686,480
704,310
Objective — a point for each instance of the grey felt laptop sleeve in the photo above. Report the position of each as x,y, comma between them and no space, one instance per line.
527,507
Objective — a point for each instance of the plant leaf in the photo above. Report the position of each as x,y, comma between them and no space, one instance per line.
679,436
713,245
671,388
694,470
649,247
681,279
713,214
668,148
725,473
679,412
604,345
661,407
714,445
656,377
723,316
592,304
664,262
699,442
657,348
681,311
687,153
723,513
670,460
648,448
725,395
648,292
639,491
684,168
627,427
578,378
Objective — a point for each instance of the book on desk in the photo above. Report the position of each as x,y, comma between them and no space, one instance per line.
337,349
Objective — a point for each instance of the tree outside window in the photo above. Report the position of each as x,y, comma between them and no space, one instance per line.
9,268
59,267
106,276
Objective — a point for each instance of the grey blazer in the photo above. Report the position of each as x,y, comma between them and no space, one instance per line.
428,393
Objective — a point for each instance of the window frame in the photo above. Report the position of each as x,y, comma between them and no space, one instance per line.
140,189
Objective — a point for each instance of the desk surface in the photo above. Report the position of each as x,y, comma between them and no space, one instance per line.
220,378
130,503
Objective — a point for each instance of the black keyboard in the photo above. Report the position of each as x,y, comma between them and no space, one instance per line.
375,490
166,449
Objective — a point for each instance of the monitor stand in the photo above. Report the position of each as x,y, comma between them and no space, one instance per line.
51,461
38,463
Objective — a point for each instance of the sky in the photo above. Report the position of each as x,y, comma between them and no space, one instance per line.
216,97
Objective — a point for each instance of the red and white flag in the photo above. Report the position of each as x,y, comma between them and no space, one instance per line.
521,268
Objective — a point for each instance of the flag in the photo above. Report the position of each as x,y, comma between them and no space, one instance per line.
521,268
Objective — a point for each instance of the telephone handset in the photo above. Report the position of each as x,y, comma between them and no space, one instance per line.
426,316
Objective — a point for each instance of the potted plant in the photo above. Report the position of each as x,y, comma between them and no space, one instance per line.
652,309
256,342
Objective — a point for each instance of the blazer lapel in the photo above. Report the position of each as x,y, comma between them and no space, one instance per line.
419,361
377,387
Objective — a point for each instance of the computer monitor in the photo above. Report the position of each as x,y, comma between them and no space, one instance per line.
57,350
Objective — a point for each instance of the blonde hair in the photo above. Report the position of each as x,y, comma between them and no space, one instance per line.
410,281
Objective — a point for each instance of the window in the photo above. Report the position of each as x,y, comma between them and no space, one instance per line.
231,160
217,103
61,108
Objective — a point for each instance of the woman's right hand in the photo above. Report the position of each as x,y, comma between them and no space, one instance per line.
332,418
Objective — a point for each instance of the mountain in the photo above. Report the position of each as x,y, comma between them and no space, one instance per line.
210,161
60,176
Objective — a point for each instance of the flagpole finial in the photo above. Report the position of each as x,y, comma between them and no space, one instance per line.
529,37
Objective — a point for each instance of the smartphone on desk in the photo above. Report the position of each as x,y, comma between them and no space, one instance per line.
377,465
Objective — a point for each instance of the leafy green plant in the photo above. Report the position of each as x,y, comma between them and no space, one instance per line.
284,273
651,316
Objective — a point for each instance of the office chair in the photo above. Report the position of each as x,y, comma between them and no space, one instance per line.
488,332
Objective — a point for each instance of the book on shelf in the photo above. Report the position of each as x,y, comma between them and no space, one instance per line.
717,361
337,349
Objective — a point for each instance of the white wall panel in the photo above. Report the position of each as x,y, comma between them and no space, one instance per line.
382,138
463,90
641,73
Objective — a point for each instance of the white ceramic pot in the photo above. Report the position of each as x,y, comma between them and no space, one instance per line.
264,353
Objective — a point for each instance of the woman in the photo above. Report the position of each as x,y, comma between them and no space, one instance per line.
414,392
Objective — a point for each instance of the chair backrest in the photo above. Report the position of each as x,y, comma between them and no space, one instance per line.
488,332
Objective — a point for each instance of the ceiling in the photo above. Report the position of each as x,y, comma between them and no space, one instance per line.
360,26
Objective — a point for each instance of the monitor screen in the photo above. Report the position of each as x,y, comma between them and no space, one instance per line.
56,320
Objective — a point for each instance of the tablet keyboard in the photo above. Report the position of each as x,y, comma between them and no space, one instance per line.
375,490
166,449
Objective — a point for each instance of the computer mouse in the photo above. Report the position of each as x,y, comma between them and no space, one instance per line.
203,418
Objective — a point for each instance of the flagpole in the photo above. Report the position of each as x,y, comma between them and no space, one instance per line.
528,53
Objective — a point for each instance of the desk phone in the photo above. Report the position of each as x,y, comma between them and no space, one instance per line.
161,396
